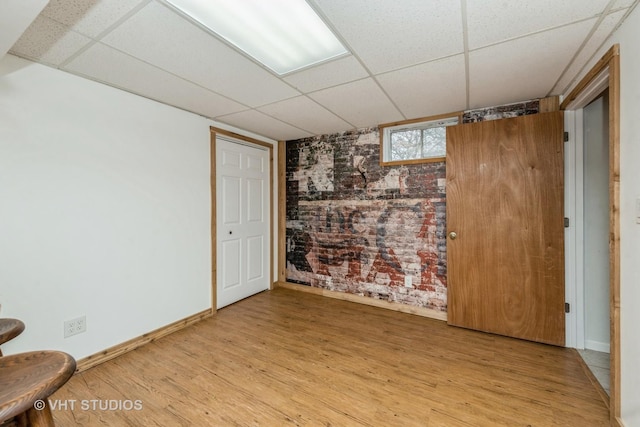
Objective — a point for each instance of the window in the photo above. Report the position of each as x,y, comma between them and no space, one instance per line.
416,141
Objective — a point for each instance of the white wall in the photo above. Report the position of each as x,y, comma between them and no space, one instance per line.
628,36
104,210
596,224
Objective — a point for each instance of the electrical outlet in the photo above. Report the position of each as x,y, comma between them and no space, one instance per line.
408,281
75,326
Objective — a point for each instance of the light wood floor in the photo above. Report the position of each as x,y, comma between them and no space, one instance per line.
290,358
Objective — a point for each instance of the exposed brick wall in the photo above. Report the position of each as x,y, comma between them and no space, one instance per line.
354,226
502,111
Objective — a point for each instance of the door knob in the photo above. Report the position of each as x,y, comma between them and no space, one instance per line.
453,235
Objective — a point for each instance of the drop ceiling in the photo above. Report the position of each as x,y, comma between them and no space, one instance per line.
408,58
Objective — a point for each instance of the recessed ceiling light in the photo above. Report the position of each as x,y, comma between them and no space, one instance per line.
284,35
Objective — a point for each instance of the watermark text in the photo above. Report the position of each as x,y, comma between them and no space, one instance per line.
89,405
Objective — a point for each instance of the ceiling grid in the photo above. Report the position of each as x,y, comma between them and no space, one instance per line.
407,59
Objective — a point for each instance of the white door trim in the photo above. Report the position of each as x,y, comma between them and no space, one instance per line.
574,210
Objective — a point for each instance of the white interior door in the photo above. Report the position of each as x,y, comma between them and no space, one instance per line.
243,218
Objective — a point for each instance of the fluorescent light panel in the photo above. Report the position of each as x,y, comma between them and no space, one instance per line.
284,35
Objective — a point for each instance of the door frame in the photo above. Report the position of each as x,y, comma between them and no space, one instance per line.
605,73
214,219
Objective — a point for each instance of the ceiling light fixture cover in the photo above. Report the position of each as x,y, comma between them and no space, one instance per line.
284,35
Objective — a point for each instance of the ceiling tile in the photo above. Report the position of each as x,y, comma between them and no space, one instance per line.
493,21
107,65
89,17
524,68
332,73
15,18
261,124
620,4
361,103
388,35
49,42
161,37
304,113
599,36
428,89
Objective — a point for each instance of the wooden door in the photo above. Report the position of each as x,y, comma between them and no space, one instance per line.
505,193
243,218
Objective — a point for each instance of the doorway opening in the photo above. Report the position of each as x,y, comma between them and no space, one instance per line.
604,76
595,347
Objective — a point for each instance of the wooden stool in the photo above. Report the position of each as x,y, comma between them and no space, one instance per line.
9,329
27,378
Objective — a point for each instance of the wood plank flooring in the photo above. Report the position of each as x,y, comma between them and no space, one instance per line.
291,358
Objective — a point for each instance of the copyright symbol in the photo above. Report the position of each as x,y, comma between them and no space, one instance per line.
39,405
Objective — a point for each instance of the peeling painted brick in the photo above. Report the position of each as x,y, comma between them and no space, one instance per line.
353,226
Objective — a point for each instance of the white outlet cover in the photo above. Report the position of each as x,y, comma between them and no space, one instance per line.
408,281
75,326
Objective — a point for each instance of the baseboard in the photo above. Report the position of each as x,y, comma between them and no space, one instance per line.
603,347
404,308
119,349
